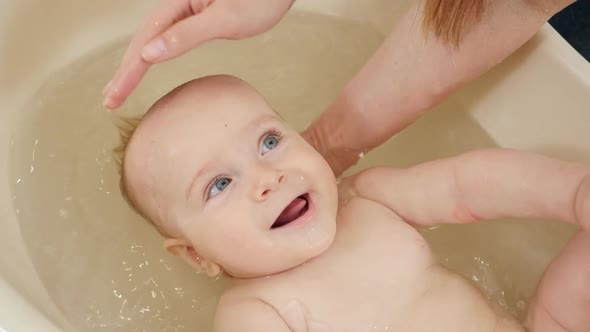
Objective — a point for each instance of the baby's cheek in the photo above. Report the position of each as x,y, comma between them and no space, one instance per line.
230,242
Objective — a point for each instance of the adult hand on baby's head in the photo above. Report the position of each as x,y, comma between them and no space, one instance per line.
177,26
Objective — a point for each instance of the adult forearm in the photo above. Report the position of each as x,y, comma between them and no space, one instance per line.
410,74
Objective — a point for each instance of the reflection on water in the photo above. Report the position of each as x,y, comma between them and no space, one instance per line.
105,267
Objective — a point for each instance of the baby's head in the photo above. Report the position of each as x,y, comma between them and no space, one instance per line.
229,184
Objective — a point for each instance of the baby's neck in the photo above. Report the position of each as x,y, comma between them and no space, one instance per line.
242,281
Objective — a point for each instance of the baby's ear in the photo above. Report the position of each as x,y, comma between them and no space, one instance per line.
187,252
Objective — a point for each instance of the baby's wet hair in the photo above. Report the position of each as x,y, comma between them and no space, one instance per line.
127,127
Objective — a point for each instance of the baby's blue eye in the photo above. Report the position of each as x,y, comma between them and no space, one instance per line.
218,185
270,142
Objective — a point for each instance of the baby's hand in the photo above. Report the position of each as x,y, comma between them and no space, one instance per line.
176,26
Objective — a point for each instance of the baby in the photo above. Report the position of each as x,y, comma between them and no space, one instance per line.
237,192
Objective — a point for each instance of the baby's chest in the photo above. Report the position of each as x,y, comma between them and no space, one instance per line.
379,275
374,269
377,240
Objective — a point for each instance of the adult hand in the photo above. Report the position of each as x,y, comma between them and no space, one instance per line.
176,26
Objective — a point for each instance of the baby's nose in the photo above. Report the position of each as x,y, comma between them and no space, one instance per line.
269,180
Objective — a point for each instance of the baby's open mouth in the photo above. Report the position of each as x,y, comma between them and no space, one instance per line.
294,210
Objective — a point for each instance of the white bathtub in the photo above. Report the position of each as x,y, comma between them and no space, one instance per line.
536,100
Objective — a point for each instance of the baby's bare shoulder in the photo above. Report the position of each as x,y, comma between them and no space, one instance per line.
354,206
367,184
368,221
242,311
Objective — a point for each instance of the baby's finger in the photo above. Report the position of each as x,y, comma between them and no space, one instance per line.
187,34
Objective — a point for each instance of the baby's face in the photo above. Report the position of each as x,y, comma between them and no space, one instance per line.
215,166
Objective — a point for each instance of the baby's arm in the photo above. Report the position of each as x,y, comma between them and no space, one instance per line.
497,183
247,315
479,185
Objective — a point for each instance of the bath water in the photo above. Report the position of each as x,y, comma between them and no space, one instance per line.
104,267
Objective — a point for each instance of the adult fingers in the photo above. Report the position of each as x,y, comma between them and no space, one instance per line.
124,82
133,67
189,33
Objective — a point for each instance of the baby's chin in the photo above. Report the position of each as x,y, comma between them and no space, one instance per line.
283,264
